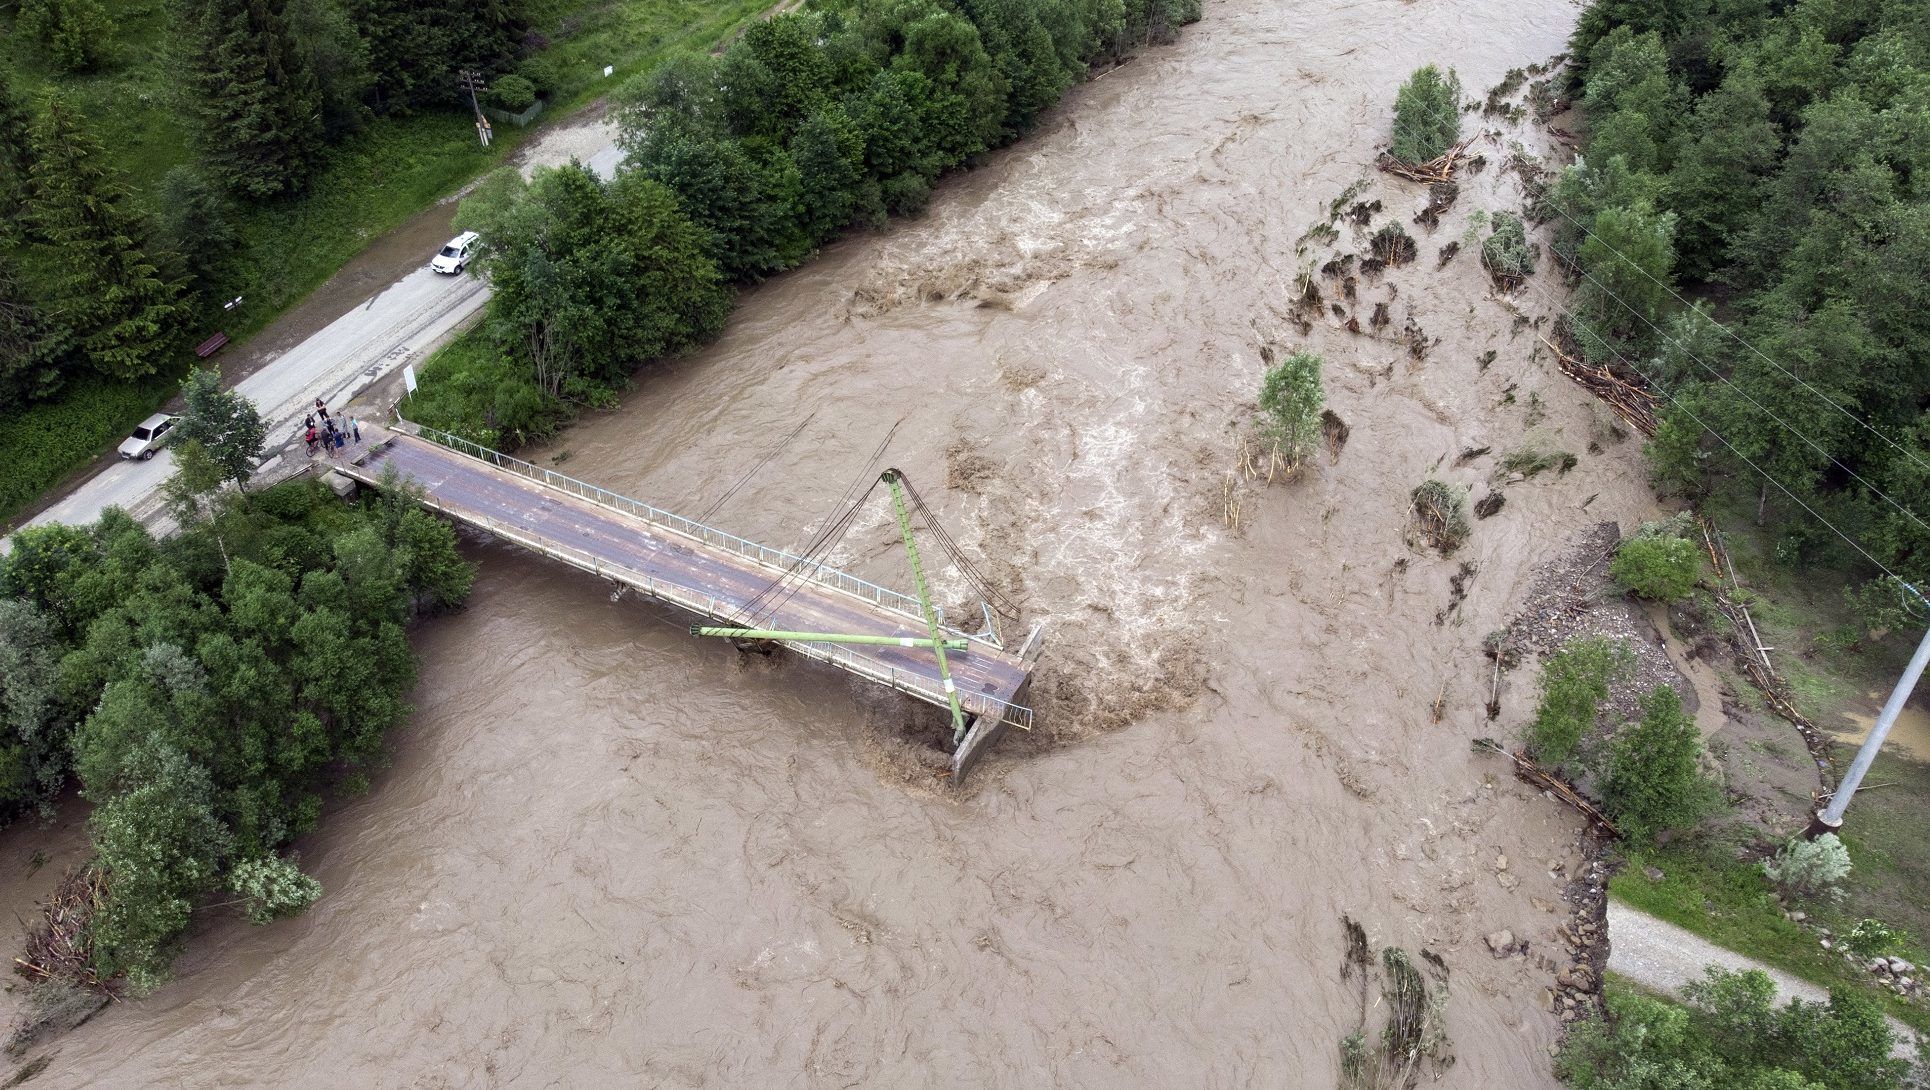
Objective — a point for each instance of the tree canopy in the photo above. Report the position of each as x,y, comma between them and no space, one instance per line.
1774,155
205,690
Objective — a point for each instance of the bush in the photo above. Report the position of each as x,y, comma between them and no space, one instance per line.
513,93
1506,254
1732,1034
472,390
1657,566
1573,685
1655,781
544,74
1810,869
1874,938
1291,396
1427,115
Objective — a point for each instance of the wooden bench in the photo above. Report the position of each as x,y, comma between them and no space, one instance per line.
210,346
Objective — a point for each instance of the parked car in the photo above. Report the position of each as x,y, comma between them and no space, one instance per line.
149,436
455,256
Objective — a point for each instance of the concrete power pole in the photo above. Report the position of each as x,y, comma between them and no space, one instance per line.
472,82
1831,818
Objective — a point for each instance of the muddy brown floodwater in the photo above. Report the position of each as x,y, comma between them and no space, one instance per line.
608,854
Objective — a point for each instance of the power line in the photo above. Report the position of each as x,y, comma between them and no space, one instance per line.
1690,413
1791,428
1831,402
711,511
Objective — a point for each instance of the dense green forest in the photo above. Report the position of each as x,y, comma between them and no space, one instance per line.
1766,165
161,157
202,690
813,122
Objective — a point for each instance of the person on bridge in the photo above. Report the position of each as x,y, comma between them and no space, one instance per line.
355,426
310,436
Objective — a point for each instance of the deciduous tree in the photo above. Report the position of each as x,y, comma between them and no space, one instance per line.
224,421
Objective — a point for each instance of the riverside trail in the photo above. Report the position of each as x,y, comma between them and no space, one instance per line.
608,854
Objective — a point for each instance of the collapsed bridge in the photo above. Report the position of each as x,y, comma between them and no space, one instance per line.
736,587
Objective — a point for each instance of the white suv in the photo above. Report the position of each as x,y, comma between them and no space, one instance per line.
149,436
455,256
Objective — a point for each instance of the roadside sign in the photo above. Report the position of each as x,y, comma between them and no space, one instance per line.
408,376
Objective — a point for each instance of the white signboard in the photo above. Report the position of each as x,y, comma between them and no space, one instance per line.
408,376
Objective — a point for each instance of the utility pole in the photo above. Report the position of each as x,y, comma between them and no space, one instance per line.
1831,817
472,82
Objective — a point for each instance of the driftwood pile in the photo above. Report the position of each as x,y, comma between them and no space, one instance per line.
1438,169
1631,400
57,947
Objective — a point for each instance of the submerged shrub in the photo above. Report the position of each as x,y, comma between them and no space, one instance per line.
1393,246
1441,514
1506,254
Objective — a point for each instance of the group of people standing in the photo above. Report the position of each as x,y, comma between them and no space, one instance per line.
330,437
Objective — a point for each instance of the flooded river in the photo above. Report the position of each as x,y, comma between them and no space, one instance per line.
608,854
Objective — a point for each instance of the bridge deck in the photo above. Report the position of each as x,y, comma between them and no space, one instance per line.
702,571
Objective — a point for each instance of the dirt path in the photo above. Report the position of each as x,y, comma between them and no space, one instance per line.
1659,955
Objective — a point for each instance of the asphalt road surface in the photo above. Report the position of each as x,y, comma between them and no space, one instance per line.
395,326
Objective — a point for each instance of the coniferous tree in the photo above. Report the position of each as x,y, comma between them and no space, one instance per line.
338,59
123,311
75,33
194,223
33,346
257,104
16,144
417,48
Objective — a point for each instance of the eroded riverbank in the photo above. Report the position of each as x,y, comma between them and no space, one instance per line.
608,853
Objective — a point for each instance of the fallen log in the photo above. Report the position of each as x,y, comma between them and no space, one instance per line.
1534,775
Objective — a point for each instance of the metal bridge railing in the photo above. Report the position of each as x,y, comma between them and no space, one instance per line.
841,657
777,559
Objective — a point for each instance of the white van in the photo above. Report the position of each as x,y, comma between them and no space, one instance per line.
455,256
